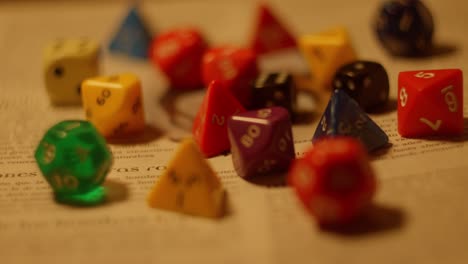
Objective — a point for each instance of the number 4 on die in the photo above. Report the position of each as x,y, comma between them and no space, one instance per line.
430,103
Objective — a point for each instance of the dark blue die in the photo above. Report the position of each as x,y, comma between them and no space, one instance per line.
405,27
344,117
132,38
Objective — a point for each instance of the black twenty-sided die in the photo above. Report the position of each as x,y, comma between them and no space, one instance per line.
364,81
405,27
274,89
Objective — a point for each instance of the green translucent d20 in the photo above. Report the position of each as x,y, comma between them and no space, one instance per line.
75,160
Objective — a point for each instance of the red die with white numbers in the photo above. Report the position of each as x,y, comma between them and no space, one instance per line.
430,103
234,68
210,124
334,180
178,53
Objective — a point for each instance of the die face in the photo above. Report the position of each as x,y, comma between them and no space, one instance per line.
274,89
189,185
210,124
326,52
270,34
405,28
178,54
73,157
114,104
344,117
430,103
132,38
261,141
364,81
66,64
234,67
334,180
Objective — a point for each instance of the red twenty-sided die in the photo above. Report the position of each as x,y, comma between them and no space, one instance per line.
334,180
234,68
430,103
178,53
210,124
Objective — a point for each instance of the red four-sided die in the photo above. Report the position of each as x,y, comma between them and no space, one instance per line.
430,103
210,125
178,53
334,180
234,68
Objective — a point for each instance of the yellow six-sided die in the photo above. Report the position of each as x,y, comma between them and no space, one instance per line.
67,63
326,52
189,185
114,104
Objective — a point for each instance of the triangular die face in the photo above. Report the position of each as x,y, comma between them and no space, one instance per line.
425,78
210,127
271,35
344,117
132,38
189,185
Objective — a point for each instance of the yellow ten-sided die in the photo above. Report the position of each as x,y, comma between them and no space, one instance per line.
114,104
67,63
325,52
189,185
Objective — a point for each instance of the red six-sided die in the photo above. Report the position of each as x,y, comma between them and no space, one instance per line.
334,180
430,102
234,68
178,53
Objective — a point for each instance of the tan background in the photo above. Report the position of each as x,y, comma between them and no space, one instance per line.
420,216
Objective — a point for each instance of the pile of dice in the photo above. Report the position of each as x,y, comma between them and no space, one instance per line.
247,112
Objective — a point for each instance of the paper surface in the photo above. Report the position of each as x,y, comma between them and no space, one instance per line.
420,213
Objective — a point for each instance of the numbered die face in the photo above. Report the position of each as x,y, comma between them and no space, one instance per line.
334,180
178,53
66,64
274,89
234,68
261,141
114,104
73,157
430,103
364,81
405,28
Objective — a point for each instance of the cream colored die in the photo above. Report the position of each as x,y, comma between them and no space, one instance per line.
114,104
66,64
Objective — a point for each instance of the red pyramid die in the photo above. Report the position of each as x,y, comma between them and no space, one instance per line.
210,125
270,34
430,103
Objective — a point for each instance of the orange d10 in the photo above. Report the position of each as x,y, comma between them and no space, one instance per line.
430,103
114,104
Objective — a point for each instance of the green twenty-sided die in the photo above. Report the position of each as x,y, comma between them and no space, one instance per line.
75,160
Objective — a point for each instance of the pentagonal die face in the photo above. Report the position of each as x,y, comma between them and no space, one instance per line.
334,180
261,141
73,157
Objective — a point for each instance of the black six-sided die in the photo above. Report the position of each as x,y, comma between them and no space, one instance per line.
364,81
405,27
274,89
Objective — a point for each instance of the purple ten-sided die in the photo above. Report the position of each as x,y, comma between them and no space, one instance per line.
261,141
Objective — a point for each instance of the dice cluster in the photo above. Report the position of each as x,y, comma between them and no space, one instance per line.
248,112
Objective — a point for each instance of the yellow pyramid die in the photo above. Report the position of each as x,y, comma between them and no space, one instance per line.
189,185
326,52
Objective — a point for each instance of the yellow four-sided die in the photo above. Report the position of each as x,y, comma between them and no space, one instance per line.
66,64
325,52
114,104
189,185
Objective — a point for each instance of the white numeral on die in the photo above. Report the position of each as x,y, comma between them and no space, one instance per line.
424,75
435,126
403,97
253,131
450,98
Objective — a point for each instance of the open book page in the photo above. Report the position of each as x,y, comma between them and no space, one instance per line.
419,214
